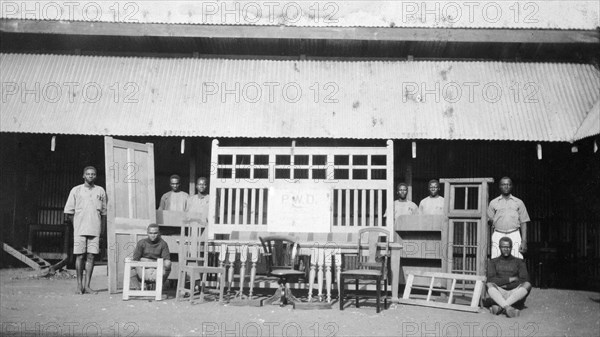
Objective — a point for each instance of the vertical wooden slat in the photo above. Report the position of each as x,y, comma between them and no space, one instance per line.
447,206
389,196
364,208
237,206
371,208
347,211
253,211
339,207
221,206
355,213
245,206
379,208
212,207
261,198
229,202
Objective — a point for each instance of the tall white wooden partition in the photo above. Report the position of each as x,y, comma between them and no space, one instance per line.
300,189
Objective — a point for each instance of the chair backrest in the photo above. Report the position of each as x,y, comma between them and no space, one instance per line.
193,244
280,251
369,250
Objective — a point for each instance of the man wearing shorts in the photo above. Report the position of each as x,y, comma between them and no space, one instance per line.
86,209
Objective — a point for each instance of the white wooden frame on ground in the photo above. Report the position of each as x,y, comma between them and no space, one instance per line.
475,291
241,178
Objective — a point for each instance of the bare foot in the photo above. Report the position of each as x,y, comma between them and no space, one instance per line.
79,290
89,290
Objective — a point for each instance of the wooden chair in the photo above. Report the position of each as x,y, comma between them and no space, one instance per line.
193,264
372,264
281,253
156,292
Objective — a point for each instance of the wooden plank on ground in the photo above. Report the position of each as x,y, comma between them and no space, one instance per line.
439,305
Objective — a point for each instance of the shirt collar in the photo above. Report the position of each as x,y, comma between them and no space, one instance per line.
510,196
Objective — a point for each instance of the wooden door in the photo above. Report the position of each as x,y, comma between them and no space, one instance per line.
131,201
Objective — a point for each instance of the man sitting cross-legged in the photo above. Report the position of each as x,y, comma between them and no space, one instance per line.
151,249
508,282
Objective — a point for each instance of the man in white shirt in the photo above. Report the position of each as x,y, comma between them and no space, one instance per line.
86,209
434,203
403,206
198,203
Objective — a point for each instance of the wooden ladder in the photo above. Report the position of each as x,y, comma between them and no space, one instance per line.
26,256
475,293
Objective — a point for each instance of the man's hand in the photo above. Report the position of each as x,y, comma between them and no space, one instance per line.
513,279
523,247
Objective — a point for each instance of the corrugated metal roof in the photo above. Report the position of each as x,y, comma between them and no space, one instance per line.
590,125
575,14
59,94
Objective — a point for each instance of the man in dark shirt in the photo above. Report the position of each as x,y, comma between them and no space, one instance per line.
508,282
151,249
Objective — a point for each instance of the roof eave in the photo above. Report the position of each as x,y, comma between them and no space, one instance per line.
484,35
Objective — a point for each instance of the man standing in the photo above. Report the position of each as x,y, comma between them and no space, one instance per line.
174,200
434,203
151,249
508,216
86,209
403,206
508,281
198,203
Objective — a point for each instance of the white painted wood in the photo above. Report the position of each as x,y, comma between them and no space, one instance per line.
260,194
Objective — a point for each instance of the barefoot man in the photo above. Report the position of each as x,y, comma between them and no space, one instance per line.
86,208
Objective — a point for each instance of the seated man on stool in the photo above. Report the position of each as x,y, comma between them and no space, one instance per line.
151,249
508,282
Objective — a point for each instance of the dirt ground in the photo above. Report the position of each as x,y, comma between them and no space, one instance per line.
49,307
